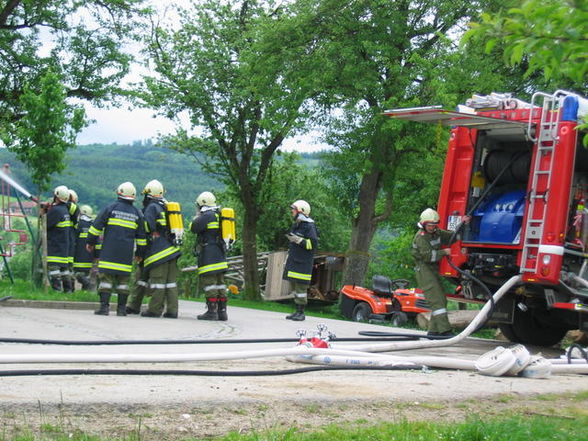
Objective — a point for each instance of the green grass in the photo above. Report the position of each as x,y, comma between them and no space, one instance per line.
514,428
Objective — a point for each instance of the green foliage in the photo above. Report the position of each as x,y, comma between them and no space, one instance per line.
52,52
391,255
48,128
551,35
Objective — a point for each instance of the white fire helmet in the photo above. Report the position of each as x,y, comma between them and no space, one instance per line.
301,206
86,210
73,196
206,199
61,193
153,189
127,191
429,216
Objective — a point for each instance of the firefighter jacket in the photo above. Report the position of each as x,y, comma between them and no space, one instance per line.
160,248
301,255
426,247
82,258
58,234
74,214
210,246
122,227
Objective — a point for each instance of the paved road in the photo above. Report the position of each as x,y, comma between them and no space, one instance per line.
332,386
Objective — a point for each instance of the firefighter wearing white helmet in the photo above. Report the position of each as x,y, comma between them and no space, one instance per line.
303,237
429,246
83,260
122,229
212,260
58,224
160,263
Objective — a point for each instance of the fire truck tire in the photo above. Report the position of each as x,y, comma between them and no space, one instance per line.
527,329
361,312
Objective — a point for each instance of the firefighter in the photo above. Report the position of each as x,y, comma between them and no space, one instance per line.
58,239
212,261
122,228
161,257
303,237
428,248
83,260
74,214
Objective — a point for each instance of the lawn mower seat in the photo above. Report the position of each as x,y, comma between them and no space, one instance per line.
382,285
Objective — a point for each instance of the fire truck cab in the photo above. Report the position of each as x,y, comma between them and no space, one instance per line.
520,171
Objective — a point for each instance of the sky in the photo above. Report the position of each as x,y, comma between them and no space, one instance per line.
125,125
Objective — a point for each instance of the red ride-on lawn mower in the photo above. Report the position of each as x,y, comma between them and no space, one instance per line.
387,300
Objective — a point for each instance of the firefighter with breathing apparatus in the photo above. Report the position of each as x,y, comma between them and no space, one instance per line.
212,261
162,254
303,237
429,246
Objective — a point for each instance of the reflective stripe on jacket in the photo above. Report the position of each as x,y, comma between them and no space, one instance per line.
300,260
212,255
160,249
122,228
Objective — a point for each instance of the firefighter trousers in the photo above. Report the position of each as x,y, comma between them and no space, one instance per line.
429,281
163,288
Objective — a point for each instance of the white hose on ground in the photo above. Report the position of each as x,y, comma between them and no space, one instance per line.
404,345
172,358
367,360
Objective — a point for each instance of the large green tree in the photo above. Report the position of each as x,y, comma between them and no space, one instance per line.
240,106
51,53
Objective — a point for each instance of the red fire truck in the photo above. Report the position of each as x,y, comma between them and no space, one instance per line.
521,171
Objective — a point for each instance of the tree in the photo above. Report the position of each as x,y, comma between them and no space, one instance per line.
372,55
551,34
59,50
241,105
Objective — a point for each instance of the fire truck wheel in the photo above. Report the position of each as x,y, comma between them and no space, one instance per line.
361,312
528,329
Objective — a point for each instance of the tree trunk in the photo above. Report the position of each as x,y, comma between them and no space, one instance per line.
363,230
249,234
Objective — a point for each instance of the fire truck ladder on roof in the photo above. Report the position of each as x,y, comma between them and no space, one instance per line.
546,139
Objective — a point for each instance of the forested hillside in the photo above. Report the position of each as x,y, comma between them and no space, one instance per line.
94,172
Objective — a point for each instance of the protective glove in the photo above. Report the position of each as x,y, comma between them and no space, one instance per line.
294,238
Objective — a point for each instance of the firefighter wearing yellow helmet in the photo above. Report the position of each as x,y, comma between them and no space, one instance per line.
429,246
161,258
212,261
123,230
74,214
58,224
303,238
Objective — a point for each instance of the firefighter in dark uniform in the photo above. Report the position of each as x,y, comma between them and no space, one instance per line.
74,214
123,235
83,260
161,256
303,237
428,248
212,261
58,238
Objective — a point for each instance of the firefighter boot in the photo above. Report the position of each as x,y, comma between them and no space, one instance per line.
104,304
212,311
122,305
297,316
68,285
222,309
55,283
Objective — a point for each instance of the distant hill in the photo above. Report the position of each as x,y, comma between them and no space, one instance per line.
94,171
